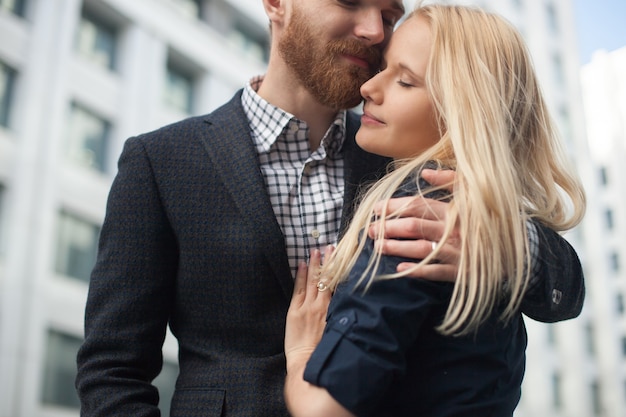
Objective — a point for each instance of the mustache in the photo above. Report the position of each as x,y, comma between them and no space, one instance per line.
371,54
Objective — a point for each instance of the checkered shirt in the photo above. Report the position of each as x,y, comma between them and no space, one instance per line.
305,187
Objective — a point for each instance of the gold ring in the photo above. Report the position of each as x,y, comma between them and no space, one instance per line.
321,286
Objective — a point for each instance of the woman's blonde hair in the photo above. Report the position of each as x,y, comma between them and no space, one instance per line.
510,166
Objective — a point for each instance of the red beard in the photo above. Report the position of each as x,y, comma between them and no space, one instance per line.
330,78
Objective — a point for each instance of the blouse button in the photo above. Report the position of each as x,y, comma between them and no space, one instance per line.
315,233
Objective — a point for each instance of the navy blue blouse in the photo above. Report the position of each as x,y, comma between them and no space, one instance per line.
381,356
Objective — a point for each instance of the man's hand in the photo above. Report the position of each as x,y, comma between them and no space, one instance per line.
422,222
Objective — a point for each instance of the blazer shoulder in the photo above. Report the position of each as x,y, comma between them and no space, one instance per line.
228,115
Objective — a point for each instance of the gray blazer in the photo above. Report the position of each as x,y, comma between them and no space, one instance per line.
190,240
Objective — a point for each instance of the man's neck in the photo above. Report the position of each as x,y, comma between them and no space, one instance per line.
281,89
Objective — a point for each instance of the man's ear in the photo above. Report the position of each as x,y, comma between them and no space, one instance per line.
275,10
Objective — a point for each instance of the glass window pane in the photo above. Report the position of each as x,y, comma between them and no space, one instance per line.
7,81
250,45
614,259
166,383
77,246
191,8
88,138
2,220
553,23
595,398
604,178
557,67
557,399
590,342
96,41
60,370
13,6
608,218
178,92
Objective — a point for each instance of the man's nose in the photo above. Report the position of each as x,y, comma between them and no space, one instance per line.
370,27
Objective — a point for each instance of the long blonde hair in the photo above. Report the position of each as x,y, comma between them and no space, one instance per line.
510,165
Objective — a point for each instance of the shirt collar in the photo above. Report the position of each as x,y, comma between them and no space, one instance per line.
268,122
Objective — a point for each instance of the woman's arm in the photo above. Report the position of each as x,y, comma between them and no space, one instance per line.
306,319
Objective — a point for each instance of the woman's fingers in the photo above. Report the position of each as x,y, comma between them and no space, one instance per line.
306,317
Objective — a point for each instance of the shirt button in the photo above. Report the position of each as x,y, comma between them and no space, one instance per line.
315,233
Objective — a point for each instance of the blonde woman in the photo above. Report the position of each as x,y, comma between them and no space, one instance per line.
456,90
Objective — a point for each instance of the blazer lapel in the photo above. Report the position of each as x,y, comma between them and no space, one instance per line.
230,147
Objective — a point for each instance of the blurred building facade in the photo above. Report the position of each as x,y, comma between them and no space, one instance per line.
78,77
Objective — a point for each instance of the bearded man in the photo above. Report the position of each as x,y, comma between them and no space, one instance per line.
208,218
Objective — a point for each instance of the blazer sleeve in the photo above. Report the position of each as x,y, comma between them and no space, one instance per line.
559,289
130,296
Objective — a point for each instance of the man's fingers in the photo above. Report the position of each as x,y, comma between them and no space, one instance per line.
440,177
432,272
447,253
418,207
408,228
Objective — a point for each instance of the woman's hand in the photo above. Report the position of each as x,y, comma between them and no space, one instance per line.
420,228
306,317
306,320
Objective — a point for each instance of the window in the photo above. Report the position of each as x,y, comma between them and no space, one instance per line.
590,333
14,6
552,16
179,86
614,260
551,336
166,383
604,177
60,370
557,65
557,399
96,41
77,246
2,223
191,8
250,44
88,139
608,219
595,398
7,82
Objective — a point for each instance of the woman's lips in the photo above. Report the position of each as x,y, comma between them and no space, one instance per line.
368,119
